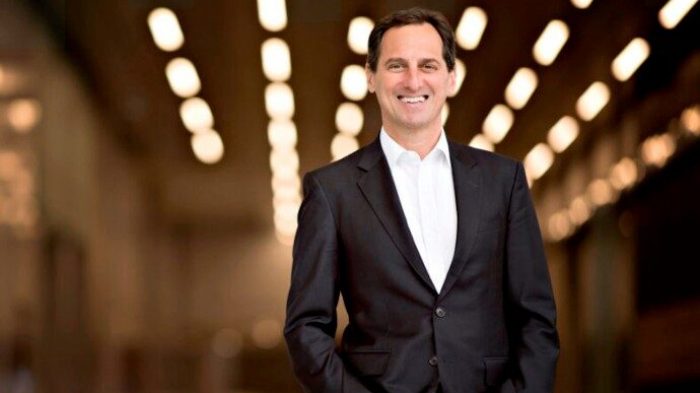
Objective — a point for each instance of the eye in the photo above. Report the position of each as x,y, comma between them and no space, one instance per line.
430,67
395,67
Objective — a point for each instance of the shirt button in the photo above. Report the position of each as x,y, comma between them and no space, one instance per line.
440,312
433,361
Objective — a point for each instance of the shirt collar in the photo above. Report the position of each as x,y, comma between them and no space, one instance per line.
393,151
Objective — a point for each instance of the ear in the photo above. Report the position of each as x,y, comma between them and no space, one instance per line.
370,78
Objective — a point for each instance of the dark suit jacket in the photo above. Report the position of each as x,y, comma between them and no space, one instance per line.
492,326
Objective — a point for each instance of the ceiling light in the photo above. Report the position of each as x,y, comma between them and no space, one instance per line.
342,145
550,42
471,28
563,133
165,29
579,210
581,3
283,160
182,77
538,161
498,123
279,101
282,134
521,87
592,101
673,12
559,225
627,62
479,141
353,82
207,146
276,62
690,119
460,73
657,149
623,174
272,14
196,115
23,114
600,192
358,34
349,118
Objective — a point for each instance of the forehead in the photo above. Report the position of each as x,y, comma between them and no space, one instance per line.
411,41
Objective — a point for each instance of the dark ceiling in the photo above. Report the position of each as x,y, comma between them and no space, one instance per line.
112,46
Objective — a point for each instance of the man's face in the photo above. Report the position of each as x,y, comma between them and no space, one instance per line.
411,80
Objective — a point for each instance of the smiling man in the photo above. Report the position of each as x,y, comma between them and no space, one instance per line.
434,246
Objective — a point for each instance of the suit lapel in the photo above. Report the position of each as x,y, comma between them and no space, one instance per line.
378,188
467,184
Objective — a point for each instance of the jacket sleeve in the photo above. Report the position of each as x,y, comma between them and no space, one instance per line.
530,303
311,321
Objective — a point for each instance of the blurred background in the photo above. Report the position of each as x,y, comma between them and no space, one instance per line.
150,156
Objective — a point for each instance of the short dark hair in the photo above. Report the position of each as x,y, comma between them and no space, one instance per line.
412,16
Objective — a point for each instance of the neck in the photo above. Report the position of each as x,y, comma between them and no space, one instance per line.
420,141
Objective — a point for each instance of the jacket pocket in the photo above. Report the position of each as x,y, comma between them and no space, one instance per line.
368,362
495,370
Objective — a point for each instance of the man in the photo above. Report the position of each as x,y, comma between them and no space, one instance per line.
434,246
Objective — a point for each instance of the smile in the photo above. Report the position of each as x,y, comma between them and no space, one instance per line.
413,99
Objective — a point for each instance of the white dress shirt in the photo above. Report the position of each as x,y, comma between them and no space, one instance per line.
426,192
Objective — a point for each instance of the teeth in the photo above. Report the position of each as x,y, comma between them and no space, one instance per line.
412,100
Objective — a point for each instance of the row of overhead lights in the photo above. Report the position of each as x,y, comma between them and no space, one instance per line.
541,157
195,112
281,129
653,153
18,205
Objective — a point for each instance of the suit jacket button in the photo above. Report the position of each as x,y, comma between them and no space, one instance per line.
440,312
433,361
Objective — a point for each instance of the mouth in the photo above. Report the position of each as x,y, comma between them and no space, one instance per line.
413,99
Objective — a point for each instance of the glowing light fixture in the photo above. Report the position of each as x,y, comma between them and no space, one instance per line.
207,146
538,161
196,115
550,42
479,141
657,149
521,87
272,14
562,134
600,192
498,123
674,11
358,34
582,4
276,62
471,27
460,74
690,119
165,29
627,62
182,77
23,114
349,118
279,101
342,145
282,134
353,82
623,174
592,101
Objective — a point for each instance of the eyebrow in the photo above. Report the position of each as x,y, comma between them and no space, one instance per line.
402,60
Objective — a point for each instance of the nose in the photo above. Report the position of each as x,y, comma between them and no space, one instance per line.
413,80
